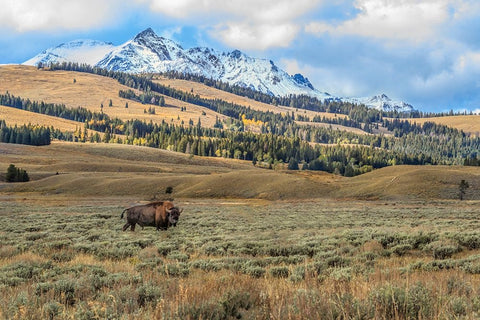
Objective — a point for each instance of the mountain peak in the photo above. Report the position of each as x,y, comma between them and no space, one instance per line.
300,79
237,54
146,33
148,52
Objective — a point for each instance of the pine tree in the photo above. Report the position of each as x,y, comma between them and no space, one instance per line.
463,186
11,173
15,174
293,164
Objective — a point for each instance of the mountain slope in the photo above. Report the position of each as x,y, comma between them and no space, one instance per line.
148,52
81,51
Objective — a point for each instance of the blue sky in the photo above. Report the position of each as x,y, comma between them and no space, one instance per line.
426,53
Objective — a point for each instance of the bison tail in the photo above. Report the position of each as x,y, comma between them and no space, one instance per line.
121,216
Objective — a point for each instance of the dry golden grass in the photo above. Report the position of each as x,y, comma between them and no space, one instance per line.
92,169
90,91
19,117
118,170
412,182
468,123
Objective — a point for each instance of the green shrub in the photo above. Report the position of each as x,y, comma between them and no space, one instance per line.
442,249
35,236
256,272
279,272
42,288
298,274
148,293
419,240
458,287
471,241
337,261
459,306
165,248
62,256
179,256
64,290
401,249
52,309
207,265
391,302
176,270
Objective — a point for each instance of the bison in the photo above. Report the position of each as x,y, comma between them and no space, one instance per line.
159,214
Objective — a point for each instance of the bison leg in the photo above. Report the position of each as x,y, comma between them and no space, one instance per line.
125,227
132,227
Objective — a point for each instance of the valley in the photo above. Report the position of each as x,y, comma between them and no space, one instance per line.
256,240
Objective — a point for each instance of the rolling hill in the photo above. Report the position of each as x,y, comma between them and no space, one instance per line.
467,123
91,91
92,170
59,87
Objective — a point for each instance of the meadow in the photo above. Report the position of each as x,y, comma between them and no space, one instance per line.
252,243
67,258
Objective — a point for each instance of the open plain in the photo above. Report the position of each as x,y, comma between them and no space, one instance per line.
251,243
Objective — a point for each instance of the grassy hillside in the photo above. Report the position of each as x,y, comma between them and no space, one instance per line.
90,91
140,172
412,182
468,123
19,117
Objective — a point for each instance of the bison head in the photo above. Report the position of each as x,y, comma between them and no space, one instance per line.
173,215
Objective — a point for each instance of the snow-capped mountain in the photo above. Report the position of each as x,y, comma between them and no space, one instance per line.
382,102
81,51
148,52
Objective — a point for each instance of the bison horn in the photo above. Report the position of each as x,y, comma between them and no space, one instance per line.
181,210
169,210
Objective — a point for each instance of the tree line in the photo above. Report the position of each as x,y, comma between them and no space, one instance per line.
146,97
26,134
79,114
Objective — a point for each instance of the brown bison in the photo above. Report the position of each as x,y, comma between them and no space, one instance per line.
160,214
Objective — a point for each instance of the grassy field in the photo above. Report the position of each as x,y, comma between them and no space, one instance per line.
251,243
68,258
469,123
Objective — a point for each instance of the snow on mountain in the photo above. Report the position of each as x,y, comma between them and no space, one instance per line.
382,102
150,53
81,51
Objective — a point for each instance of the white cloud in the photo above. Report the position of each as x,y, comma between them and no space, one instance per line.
256,37
247,24
391,19
32,15
325,79
464,71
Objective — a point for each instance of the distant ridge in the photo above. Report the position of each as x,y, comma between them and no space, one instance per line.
148,52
